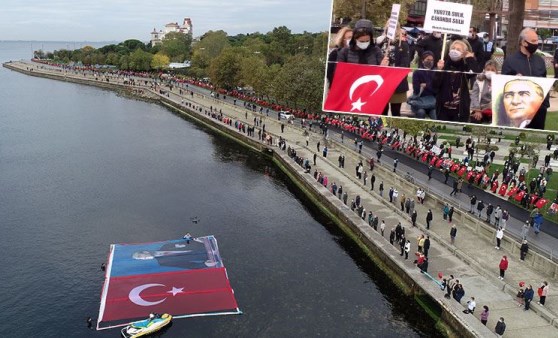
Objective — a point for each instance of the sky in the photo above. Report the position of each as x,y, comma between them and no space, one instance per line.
119,20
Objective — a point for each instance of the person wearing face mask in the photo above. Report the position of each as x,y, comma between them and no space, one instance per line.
481,95
525,62
342,40
487,50
476,45
452,99
423,100
432,43
362,48
398,54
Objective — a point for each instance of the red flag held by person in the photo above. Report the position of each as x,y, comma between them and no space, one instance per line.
541,203
363,89
513,191
503,189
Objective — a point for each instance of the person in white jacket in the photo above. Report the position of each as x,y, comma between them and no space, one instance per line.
407,249
481,94
499,236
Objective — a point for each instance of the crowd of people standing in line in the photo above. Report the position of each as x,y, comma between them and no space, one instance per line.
406,203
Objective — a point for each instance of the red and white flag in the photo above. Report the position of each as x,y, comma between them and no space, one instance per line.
178,293
363,89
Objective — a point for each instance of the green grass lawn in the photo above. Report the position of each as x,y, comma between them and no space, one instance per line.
551,122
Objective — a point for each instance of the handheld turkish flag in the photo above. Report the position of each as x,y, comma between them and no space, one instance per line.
513,191
363,89
503,189
541,203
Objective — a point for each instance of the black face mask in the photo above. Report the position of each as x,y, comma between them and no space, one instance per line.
531,47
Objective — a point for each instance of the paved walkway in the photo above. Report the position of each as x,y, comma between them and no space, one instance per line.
473,260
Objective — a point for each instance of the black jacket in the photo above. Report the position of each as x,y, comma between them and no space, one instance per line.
500,328
442,84
369,56
478,49
519,63
432,44
399,57
331,63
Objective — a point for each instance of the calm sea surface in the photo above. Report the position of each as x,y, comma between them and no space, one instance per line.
81,168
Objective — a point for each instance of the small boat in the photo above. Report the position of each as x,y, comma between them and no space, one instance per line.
147,326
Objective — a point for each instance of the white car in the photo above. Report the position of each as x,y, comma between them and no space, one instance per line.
286,115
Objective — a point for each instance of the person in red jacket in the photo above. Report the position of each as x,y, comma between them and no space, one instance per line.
503,266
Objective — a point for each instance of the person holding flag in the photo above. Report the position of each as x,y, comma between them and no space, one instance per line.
362,48
362,84
398,54
342,40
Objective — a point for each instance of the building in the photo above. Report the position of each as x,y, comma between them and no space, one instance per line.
541,14
173,27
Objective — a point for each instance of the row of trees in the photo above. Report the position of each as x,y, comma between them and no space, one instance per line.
287,67
130,54
279,66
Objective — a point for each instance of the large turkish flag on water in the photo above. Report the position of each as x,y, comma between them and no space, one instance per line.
182,277
182,292
363,89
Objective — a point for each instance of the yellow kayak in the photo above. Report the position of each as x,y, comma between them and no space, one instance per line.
147,326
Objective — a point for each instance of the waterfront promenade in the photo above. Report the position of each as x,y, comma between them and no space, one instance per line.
473,259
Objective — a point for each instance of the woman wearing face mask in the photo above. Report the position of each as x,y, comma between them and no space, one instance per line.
481,95
398,54
453,100
423,101
342,39
361,48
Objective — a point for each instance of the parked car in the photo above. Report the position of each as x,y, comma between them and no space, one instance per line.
286,115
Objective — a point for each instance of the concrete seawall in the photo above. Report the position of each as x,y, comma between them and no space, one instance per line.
413,283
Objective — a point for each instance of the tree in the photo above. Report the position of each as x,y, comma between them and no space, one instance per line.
207,49
411,126
300,82
176,46
225,70
257,74
39,54
133,44
544,33
140,60
483,7
516,15
160,61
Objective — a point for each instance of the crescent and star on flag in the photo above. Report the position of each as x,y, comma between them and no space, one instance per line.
135,294
357,105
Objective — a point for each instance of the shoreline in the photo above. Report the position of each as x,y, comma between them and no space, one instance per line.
451,320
